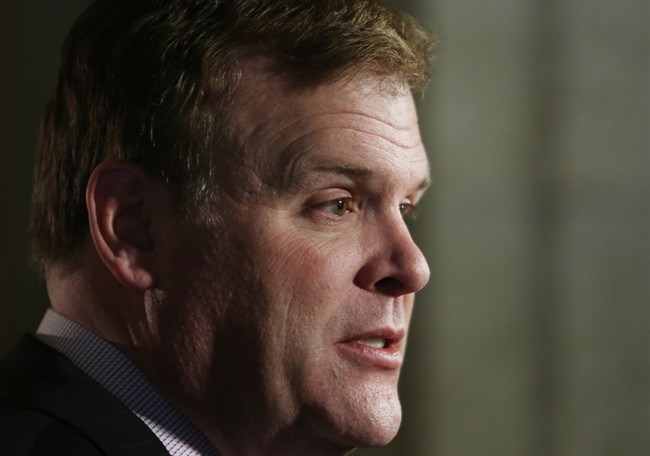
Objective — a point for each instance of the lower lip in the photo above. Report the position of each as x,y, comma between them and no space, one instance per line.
389,358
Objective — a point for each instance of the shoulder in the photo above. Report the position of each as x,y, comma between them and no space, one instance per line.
26,431
49,406
28,382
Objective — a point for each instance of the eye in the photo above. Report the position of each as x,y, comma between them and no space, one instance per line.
409,211
338,207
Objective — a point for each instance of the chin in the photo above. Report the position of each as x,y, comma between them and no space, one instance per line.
347,417
379,432
369,422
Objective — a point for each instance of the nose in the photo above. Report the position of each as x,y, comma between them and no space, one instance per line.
394,265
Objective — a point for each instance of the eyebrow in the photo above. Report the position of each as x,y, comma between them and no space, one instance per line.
347,170
357,171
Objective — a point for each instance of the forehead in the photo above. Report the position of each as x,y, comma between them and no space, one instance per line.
365,122
266,96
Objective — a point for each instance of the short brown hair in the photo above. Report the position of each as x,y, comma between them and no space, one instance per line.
151,81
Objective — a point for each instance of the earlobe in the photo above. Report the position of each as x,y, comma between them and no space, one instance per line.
119,199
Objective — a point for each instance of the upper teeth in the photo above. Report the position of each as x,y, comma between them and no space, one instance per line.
376,342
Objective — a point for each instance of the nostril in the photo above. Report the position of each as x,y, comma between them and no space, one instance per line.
390,286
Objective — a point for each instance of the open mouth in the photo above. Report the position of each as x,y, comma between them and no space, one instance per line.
375,342
379,338
377,349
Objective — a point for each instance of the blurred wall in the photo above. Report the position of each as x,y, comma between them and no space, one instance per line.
533,336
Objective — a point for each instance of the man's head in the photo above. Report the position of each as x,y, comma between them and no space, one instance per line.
232,178
154,81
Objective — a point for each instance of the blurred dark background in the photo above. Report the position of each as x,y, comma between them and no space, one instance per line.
31,35
533,336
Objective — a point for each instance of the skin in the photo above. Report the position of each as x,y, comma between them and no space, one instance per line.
250,321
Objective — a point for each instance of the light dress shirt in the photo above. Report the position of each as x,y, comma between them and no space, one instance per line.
109,367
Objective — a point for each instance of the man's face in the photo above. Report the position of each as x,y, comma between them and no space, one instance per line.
291,308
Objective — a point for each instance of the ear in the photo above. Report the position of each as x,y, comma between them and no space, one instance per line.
124,202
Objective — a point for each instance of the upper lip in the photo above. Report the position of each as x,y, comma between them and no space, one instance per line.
393,336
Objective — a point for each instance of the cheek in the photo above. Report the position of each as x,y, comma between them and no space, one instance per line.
310,264
308,287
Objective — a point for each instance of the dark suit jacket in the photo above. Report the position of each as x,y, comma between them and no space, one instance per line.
49,407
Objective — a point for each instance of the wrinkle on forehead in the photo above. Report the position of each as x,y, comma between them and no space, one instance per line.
300,130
